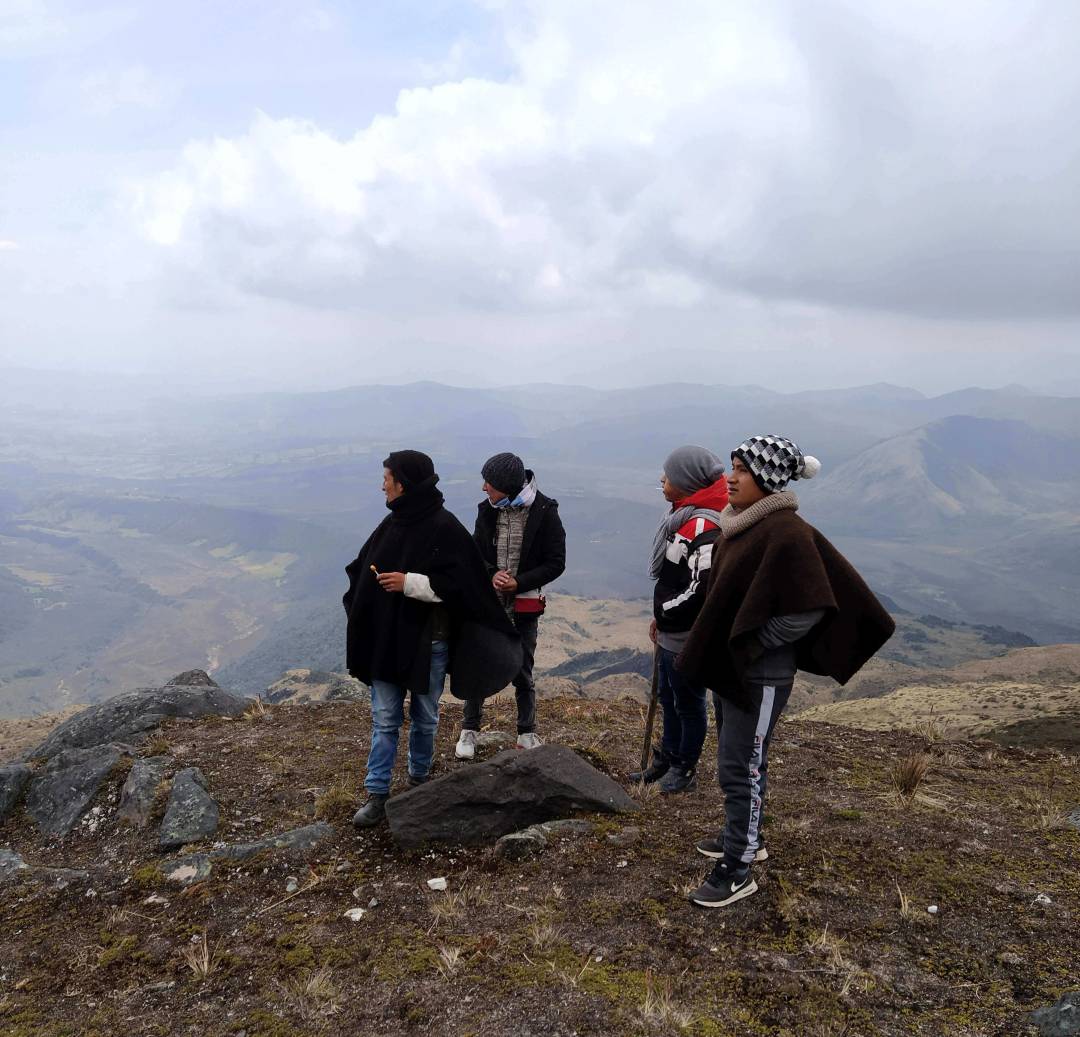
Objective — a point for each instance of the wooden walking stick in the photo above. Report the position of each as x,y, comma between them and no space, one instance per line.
651,715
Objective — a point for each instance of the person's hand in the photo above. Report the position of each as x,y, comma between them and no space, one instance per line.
652,631
503,581
393,582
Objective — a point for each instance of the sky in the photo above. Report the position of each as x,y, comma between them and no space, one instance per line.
303,195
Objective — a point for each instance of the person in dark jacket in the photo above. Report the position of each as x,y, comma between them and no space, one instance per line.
781,598
522,541
693,485
419,604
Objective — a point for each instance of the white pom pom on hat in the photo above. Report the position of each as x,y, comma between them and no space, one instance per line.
810,467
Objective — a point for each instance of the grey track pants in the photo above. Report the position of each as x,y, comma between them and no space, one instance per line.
744,733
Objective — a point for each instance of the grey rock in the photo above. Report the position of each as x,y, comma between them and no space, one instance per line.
519,846
191,868
1061,1019
316,686
12,866
192,679
137,795
195,867
306,838
489,738
13,780
191,815
625,836
129,716
60,794
566,826
479,804
1074,818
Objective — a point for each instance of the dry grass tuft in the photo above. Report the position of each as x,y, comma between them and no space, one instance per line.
336,803
258,710
659,1010
906,909
200,958
313,994
908,773
1045,811
543,935
449,961
930,727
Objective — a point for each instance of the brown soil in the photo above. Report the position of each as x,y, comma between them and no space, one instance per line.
591,938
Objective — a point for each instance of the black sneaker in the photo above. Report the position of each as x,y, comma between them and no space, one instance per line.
678,779
656,770
714,848
724,887
372,812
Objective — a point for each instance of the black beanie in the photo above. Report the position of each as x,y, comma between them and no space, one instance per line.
506,473
411,467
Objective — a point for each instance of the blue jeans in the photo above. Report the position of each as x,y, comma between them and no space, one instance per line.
685,715
388,714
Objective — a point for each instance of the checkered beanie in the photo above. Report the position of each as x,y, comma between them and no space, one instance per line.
506,472
774,461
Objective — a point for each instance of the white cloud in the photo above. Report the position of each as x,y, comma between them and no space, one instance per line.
8,246
907,158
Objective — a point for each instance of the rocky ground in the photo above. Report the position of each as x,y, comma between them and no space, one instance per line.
592,936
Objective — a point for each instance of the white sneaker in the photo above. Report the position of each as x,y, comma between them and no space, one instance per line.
466,746
529,740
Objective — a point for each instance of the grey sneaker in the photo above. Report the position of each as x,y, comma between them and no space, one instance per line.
466,745
678,779
529,740
372,812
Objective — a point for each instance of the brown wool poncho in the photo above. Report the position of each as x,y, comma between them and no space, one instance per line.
778,566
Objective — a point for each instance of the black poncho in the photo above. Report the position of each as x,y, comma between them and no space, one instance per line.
389,635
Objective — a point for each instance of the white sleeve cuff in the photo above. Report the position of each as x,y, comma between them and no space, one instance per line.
418,586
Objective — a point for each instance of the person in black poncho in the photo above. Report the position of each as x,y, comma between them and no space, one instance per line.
420,605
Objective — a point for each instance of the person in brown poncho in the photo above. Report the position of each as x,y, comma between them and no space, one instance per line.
781,598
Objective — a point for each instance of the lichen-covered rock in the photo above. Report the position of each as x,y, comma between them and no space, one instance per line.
137,795
60,794
129,716
191,814
195,867
481,803
13,780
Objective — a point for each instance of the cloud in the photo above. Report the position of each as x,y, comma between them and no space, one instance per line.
105,91
8,246
33,28
916,158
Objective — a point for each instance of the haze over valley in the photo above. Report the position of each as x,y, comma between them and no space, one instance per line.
142,534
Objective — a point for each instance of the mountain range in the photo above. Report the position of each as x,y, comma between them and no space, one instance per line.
142,531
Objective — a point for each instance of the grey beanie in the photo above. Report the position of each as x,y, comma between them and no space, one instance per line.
692,468
505,472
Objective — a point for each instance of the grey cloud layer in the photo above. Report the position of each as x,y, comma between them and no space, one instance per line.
853,155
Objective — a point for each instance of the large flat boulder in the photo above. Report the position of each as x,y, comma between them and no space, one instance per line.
478,804
316,686
60,794
191,815
129,716
1061,1019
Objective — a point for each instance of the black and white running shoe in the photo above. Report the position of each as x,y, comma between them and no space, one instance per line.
724,887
